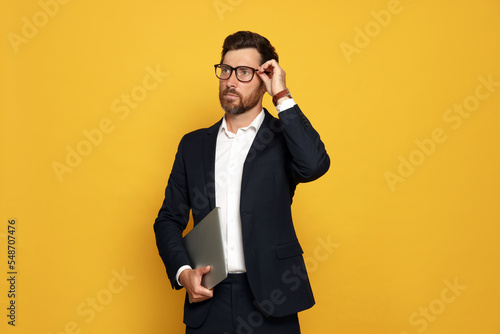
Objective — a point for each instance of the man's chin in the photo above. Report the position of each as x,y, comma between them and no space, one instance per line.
233,110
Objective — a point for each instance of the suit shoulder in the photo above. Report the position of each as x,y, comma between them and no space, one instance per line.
196,136
192,137
195,133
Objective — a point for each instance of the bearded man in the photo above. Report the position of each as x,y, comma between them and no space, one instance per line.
248,164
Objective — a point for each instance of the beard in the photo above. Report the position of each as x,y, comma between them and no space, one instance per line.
238,105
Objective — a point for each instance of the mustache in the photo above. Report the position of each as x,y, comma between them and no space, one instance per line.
231,91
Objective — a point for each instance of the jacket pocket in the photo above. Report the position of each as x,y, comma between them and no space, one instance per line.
288,249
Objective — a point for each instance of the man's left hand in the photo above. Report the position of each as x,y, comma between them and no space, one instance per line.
273,76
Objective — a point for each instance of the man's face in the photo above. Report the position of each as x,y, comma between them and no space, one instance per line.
238,97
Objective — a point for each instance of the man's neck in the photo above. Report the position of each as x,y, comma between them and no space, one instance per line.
236,122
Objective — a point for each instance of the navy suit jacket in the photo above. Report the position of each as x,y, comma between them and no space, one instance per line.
285,152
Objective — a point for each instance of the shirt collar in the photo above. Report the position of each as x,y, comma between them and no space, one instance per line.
256,123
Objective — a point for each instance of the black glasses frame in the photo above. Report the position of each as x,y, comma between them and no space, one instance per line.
235,70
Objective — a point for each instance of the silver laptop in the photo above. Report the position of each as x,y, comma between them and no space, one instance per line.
205,248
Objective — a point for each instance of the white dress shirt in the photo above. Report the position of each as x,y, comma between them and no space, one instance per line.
230,154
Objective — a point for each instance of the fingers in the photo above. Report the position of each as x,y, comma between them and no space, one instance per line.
205,270
264,73
273,76
269,65
266,79
197,293
267,70
200,294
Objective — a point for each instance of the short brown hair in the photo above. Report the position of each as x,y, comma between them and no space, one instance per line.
248,39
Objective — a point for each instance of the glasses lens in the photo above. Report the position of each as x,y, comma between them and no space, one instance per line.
245,73
223,71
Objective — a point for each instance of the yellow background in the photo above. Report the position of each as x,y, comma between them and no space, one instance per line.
392,249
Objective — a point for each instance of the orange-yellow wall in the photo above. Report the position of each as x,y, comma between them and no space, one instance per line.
400,236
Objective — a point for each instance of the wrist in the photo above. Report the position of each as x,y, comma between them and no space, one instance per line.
282,99
179,272
281,96
284,105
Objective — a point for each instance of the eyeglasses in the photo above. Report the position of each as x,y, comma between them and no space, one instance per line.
243,73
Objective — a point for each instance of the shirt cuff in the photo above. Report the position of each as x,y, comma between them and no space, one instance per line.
181,269
286,104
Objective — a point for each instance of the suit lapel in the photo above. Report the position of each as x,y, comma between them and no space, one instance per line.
263,138
209,144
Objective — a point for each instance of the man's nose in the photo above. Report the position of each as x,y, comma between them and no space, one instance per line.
232,81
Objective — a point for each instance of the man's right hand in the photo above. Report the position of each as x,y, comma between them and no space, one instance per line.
191,279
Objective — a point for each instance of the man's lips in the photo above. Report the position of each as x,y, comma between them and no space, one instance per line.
231,95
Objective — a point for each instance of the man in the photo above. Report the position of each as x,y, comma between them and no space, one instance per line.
248,164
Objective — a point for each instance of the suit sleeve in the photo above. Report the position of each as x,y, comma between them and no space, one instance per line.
309,157
172,219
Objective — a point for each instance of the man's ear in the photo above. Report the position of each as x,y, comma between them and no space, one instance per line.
263,87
